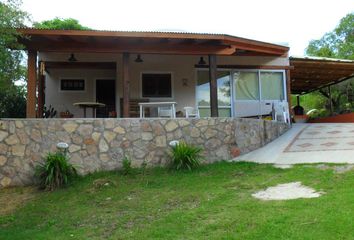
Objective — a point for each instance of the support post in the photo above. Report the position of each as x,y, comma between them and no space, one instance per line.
41,86
288,90
31,84
330,100
213,86
126,87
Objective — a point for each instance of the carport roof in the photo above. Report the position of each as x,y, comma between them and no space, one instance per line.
312,73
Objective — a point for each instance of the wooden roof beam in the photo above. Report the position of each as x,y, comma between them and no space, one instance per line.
155,48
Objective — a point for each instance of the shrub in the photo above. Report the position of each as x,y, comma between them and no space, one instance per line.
55,172
127,166
184,156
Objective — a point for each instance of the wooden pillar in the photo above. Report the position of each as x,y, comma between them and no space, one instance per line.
330,100
31,84
126,87
213,86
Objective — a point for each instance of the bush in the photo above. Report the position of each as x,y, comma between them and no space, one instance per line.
184,156
12,102
127,166
55,172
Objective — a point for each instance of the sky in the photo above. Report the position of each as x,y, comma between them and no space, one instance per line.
294,22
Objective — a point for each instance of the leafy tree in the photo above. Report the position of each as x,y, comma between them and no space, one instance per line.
10,60
60,24
338,43
12,97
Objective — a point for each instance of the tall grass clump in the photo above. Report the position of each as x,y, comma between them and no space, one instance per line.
55,172
185,157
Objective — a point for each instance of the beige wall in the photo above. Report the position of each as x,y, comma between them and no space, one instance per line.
181,67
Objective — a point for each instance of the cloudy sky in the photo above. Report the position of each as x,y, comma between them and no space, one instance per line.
294,22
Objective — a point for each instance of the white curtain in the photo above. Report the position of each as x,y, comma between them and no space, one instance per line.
272,86
246,85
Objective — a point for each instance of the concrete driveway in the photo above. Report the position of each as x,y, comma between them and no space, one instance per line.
308,143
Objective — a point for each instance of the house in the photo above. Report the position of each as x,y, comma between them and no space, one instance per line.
219,74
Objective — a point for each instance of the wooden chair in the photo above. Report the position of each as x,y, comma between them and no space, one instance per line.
134,110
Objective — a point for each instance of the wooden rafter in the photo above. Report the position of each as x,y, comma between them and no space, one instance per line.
310,74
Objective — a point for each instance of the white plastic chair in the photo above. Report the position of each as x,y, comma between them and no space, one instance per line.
164,112
191,112
282,110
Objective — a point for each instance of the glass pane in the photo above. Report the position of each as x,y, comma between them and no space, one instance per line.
204,112
246,85
156,85
224,97
272,86
203,88
223,112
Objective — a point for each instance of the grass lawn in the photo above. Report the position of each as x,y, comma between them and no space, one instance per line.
213,202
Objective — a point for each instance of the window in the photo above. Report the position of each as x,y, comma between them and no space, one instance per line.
156,85
272,86
246,85
203,93
72,85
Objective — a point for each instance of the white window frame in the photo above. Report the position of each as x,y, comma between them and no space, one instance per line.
156,72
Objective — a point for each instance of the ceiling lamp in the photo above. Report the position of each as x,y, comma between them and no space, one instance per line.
201,61
138,59
72,58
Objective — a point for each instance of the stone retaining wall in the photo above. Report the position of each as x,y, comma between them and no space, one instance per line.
100,144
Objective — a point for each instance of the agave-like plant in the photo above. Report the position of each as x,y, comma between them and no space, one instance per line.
184,156
55,172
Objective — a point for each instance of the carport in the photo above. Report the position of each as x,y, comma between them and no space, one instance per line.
309,74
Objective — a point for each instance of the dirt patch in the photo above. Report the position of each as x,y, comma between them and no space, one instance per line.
283,166
12,198
336,168
287,191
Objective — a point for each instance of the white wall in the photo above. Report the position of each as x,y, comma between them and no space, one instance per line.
182,67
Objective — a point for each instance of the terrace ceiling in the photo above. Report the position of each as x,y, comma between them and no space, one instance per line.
309,74
145,42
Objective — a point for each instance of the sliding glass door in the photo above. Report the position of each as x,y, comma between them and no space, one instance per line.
255,91
241,93
203,93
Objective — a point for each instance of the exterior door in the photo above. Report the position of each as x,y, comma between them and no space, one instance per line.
105,93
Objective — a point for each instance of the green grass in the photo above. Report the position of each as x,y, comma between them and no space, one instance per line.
213,202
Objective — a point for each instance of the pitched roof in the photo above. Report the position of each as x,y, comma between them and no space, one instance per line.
145,42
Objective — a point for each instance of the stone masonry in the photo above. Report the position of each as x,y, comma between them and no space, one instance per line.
101,144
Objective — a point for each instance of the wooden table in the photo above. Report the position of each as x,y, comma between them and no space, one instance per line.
157,104
92,105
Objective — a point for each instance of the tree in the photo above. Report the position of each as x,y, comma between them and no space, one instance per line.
12,97
60,24
338,43
10,60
